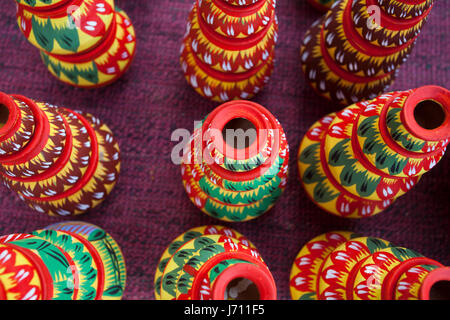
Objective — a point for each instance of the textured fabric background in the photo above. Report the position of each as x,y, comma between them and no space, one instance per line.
149,207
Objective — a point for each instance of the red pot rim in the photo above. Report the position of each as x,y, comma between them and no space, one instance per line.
390,282
13,118
436,94
268,291
43,273
258,171
261,277
39,139
90,171
238,11
440,274
318,6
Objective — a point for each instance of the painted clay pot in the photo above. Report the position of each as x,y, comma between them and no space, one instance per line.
235,166
345,266
228,49
70,162
84,43
67,261
350,54
357,162
227,20
213,263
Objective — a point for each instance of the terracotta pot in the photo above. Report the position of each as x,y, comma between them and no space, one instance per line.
344,266
357,162
70,162
66,261
349,55
228,50
86,44
236,180
213,263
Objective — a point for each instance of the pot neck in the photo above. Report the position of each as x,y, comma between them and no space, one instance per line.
9,115
235,279
436,285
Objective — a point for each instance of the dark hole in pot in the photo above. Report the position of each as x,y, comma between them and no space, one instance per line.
239,133
440,290
242,289
4,115
429,114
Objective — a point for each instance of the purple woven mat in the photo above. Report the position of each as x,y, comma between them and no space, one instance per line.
149,207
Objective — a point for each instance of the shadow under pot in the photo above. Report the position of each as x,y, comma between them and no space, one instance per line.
71,160
355,163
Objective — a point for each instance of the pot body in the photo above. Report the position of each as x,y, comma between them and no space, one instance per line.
86,44
232,183
65,261
58,161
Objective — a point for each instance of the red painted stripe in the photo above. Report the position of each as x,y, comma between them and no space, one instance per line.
89,172
57,166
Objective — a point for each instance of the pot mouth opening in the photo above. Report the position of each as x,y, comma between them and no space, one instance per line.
440,290
4,115
242,289
239,133
429,114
